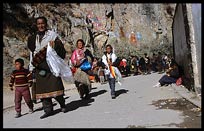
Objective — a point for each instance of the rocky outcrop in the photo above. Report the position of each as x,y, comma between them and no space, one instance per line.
131,28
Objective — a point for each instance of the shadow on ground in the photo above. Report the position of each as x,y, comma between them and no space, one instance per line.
83,102
192,113
119,92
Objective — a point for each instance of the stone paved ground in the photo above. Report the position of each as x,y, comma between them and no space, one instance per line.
137,105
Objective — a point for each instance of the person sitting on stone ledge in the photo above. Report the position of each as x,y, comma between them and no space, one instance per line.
171,76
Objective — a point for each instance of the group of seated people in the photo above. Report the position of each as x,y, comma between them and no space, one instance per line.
173,73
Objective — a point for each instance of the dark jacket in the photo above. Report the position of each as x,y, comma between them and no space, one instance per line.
47,85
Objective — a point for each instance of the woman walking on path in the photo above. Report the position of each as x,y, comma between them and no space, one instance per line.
79,57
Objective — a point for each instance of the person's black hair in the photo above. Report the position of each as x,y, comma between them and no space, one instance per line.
21,61
109,46
173,62
80,41
41,17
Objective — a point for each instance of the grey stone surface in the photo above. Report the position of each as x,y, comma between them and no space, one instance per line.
187,42
133,107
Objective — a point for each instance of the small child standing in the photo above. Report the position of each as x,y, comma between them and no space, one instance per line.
22,79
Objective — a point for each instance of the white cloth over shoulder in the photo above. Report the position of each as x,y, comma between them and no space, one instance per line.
117,72
118,75
112,56
49,36
57,65
104,60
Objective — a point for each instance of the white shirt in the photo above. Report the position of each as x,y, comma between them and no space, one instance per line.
104,60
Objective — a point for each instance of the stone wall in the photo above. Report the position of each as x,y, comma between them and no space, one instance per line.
196,13
97,24
185,45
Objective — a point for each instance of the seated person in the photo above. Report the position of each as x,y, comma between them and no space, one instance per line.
172,74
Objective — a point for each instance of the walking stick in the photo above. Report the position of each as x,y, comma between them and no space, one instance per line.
34,88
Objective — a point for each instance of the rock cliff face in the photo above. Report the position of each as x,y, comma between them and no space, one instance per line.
131,28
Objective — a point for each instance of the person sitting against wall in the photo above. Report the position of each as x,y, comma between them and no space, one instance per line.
171,76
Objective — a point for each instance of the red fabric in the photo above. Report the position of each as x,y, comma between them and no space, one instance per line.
25,93
91,77
21,78
73,70
179,81
123,63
